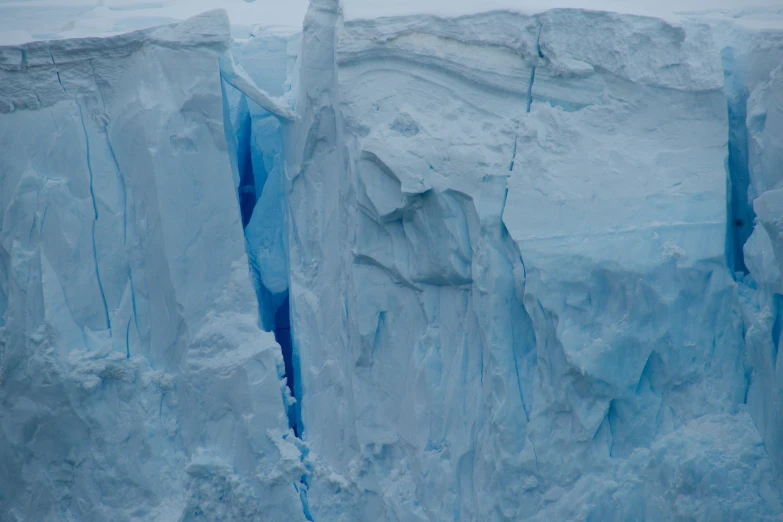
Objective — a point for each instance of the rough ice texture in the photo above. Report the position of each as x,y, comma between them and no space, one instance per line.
136,384
531,265
763,297
538,320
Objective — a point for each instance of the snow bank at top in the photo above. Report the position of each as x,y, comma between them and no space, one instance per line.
53,19
665,8
26,69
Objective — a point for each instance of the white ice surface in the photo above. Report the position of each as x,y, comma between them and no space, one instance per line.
47,19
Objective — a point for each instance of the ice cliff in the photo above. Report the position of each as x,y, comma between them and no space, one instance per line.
500,266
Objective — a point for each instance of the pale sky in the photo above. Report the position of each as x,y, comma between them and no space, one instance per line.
23,20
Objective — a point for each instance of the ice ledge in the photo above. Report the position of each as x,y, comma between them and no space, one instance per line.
210,29
32,75
678,55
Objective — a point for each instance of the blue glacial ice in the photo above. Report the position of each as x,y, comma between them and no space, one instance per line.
500,266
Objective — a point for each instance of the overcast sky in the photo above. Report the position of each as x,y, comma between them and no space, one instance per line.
22,20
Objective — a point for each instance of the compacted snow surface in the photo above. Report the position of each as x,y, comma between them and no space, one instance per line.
391,261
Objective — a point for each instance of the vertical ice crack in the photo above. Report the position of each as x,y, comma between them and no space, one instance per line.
777,326
274,308
515,249
133,304
247,175
302,489
123,187
535,455
533,70
740,215
282,331
95,220
113,157
56,69
127,340
611,413
107,317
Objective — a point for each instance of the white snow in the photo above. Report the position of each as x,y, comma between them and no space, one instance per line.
368,9
50,19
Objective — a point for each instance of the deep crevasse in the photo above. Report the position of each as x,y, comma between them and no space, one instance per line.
506,247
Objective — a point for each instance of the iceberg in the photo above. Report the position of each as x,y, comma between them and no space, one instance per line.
445,264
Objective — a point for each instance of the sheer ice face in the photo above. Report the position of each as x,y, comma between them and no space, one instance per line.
136,384
540,287
518,267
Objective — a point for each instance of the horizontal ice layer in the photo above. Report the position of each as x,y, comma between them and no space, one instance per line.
761,11
622,157
136,384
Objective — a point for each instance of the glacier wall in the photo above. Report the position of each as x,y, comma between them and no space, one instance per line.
761,290
545,314
496,267
136,383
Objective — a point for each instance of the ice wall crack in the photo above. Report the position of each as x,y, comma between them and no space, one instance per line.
512,251
282,331
114,158
95,220
533,73
777,326
124,190
256,169
740,214
57,71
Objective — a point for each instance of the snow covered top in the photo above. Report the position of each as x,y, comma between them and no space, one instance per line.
25,20
659,8
209,29
32,73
